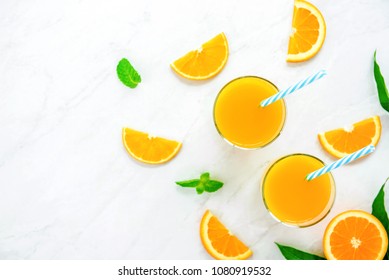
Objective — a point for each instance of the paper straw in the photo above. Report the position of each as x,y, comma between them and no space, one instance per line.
293,88
345,160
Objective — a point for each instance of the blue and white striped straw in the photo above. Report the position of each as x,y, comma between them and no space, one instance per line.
293,88
345,160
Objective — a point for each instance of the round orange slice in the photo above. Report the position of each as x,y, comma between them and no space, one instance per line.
308,32
355,235
149,149
343,141
205,62
219,242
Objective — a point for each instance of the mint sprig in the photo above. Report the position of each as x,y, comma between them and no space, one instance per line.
378,210
127,74
202,184
383,94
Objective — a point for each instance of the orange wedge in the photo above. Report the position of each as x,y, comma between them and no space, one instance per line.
219,242
341,142
308,34
355,235
149,149
205,62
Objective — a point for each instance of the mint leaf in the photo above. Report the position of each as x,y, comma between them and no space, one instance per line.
383,94
189,183
200,188
291,253
204,177
127,74
212,185
204,184
379,211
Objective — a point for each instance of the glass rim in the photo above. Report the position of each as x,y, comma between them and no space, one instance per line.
236,145
324,212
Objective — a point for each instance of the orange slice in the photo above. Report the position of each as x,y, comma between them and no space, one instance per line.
149,149
341,142
309,32
205,62
355,235
219,242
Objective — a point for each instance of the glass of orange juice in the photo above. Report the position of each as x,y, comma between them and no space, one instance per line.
293,200
240,119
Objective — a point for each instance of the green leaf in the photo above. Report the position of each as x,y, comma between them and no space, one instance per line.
204,184
291,253
379,211
189,183
204,177
383,94
200,188
378,207
127,74
213,185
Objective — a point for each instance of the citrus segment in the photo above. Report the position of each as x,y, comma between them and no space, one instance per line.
219,242
149,149
341,142
355,235
309,31
204,62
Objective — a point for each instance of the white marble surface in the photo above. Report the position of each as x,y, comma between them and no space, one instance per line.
68,189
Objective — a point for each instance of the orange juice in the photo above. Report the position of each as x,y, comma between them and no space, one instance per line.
241,120
290,198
